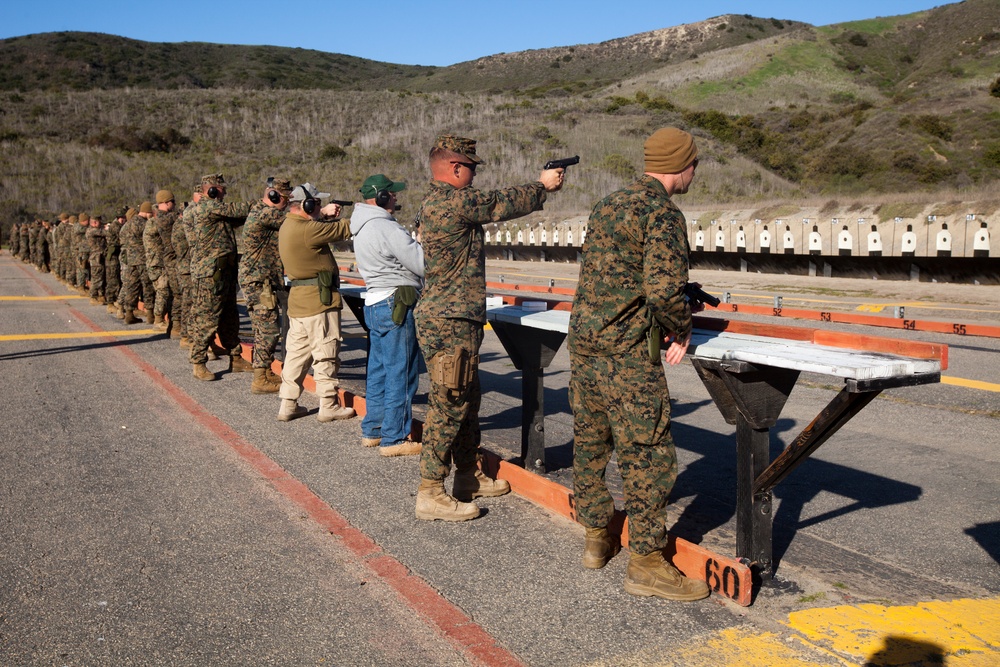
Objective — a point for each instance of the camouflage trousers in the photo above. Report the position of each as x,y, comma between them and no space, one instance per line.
451,427
82,269
621,404
96,274
265,323
136,285
182,303
164,297
213,309
112,279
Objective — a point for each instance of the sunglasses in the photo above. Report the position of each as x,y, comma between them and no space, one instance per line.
471,166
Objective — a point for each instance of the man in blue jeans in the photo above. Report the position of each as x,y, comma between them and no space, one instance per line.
392,264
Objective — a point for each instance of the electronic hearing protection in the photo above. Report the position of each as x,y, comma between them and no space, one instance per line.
273,195
309,205
214,192
382,198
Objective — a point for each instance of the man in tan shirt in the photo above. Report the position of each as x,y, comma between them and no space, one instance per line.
313,303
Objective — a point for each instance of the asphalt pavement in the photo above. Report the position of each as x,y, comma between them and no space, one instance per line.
146,517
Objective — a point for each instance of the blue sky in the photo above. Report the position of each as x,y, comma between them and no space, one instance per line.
410,31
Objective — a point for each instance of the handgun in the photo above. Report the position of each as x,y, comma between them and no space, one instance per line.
342,202
696,294
563,163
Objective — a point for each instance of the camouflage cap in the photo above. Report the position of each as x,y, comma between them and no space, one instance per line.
213,179
282,185
460,145
121,212
164,196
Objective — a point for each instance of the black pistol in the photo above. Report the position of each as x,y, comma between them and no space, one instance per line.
342,202
698,295
563,163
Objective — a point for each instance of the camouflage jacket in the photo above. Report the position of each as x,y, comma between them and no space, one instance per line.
156,239
112,236
15,239
80,245
260,261
178,238
212,223
131,238
451,221
96,241
634,268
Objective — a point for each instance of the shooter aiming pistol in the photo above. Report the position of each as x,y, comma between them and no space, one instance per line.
696,294
342,202
563,163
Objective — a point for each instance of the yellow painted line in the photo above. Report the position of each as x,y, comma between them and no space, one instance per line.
960,633
43,298
970,384
80,334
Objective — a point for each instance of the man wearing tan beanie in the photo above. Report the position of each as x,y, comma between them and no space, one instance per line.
631,295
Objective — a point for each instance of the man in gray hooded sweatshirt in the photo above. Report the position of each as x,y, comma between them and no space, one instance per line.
392,264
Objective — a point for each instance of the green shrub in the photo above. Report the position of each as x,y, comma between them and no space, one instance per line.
995,88
618,165
332,152
936,126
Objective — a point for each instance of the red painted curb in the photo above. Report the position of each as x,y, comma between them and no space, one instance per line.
453,624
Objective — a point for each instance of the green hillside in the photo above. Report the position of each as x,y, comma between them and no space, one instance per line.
893,110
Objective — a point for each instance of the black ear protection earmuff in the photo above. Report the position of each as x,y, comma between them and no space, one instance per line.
214,192
382,198
309,205
273,195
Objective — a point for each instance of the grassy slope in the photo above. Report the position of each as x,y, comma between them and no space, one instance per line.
806,113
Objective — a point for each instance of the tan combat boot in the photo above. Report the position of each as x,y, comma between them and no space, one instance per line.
403,448
159,323
651,576
260,384
238,364
331,409
110,308
433,503
472,483
185,343
599,548
201,372
271,377
130,318
94,301
290,409
150,316
119,311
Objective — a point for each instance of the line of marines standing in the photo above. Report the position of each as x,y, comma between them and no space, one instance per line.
634,268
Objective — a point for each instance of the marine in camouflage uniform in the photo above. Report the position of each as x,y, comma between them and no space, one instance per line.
631,291
135,278
64,241
25,254
15,239
161,260
81,251
450,317
98,247
112,259
212,247
261,278
179,237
